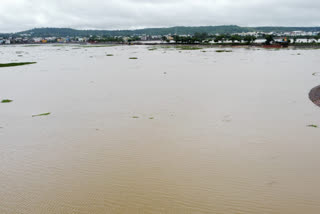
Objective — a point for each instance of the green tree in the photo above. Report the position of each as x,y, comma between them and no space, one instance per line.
249,39
269,39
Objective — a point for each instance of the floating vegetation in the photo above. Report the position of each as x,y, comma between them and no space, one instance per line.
20,55
39,115
184,47
15,64
6,101
316,74
298,53
31,46
135,117
109,55
133,58
152,49
312,126
203,51
221,51
151,118
96,46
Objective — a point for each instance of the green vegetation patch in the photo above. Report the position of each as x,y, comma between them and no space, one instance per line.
135,117
152,49
15,64
39,115
109,55
6,101
312,126
185,47
133,58
222,51
97,46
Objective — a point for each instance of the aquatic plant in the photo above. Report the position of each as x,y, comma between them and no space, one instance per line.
135,117
109,55
151,118
221,51
184,47
133,58
15,64
39,115
6,101
312,126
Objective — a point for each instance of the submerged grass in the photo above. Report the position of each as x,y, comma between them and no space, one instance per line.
6,101
312,126
221,51
184,47
39,115
15,64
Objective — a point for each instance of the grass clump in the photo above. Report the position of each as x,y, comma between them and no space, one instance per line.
221,51
135,117
6,101
39,115
151,118
184,47
312,126
133,58
152,49
109,55
15,64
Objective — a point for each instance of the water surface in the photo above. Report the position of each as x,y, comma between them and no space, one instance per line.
228,131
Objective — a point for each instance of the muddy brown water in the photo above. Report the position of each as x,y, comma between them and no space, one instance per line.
228,131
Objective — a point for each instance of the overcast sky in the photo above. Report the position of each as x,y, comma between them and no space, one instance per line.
18,15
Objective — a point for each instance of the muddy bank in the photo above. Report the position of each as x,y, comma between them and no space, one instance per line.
314,95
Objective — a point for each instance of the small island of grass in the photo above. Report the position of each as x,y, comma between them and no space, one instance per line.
6,101
15,64
39,115
133,58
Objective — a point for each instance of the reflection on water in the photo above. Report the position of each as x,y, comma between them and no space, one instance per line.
229,131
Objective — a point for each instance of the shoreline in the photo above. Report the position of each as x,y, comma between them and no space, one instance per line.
230,45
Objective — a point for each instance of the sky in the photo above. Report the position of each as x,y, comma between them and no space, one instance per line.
19,15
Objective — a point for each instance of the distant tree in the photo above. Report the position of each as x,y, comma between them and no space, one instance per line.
294,40
200,37
219,38
177,39
235,37
249,39
317,37
269,39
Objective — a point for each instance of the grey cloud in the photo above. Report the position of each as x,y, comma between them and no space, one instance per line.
16,15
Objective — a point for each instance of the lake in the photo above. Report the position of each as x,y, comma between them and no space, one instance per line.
173,131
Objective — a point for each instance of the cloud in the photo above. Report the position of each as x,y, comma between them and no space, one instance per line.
17,15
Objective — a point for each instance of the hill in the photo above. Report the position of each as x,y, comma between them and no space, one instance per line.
224,29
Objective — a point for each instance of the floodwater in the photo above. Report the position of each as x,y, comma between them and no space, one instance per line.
170,132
